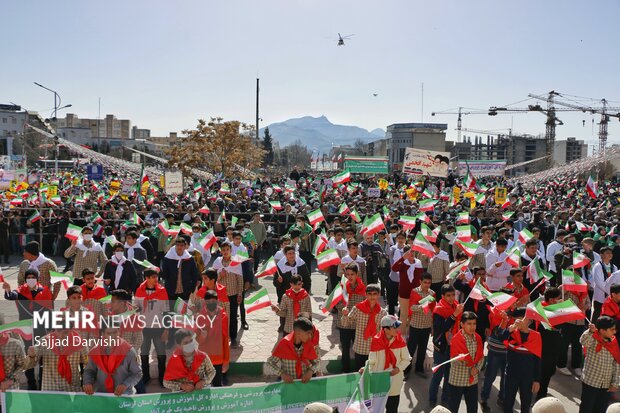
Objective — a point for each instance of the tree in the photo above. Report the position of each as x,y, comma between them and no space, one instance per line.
221,147
360,147
298,154
268,147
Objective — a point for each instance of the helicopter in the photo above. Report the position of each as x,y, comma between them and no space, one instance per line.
341,39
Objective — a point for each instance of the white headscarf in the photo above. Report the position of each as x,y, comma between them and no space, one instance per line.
119,269
94,247
41,259
172,254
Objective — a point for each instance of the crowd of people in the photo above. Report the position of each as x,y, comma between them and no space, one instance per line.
411,277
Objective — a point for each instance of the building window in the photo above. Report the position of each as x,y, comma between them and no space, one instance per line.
3,120
401,155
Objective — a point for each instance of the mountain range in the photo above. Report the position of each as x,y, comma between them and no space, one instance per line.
318,133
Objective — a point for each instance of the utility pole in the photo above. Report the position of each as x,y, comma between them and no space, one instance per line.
99,133
257,97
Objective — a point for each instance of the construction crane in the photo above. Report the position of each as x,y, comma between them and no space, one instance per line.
603,111
494,132
460,112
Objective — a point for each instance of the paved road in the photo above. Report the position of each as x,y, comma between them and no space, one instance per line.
256,345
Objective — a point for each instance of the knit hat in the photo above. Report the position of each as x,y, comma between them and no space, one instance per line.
318,408
32,248
548,405
440,409
614,408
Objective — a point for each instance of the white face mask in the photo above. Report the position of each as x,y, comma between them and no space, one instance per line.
190,347
119,255
87,237
196,235
31,282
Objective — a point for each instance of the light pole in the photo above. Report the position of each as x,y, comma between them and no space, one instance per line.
57,102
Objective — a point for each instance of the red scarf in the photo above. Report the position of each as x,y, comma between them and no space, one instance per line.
522,293
495,318
109,363
611,308
381,342
611,346
285,350
371,327
296,297
459,346
159,293
533,343
4,338
445,310
360,288
64,367
222,295
177,369
44,295
96,293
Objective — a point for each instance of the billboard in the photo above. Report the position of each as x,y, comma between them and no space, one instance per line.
482,168
425,162
366,164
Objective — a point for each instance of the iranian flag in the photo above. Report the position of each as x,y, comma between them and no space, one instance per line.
373,225
164,227
327,258
197,187
573,282
421,245
582,227
207,239
407,222
344,209
502,301
181,307
479,292
535,311
592,187
334,298
65,279
355,216
507,215
276,205
428,234
561,313
470,180
73,232
514,256
525,235
481,199
146,264
257,301
269,267
463,233
427,193
454,272
238,258
224,188
506,204
96,218
427,205
462,218
23,327
316,216
105,300
136,220
426,303
536,273
319,246
580,260
204,210
469,248
341,178
386,213
186,228
34,217
423,217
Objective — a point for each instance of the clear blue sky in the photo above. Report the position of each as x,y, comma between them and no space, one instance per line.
164,64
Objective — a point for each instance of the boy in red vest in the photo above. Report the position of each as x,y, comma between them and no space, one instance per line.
356,292
92,293
464,372
611,307
188,369
295,356
210,283
294,301
601,369
517,287
421,321
388,352
212,335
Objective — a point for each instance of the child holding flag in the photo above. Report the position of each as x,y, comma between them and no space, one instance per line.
601,371
213,336
421,306
388,352
355,294
295,300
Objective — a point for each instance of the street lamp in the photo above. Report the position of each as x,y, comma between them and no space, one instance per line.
57,102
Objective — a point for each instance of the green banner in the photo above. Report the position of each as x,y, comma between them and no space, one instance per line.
276,397
367,164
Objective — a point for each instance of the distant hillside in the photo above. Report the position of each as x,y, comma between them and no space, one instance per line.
319,133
